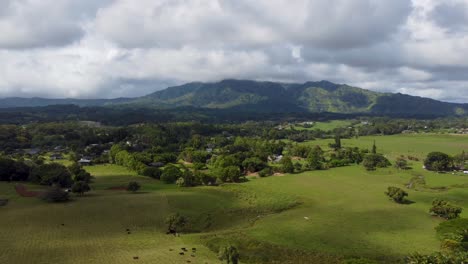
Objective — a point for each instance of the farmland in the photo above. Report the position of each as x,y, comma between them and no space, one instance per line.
328,215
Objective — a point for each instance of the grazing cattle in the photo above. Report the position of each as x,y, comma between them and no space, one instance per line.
172,232
181,253
136,258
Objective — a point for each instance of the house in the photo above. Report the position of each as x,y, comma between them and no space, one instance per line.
85,161
56,156
157,164
275,158
465,172
33,151
209,150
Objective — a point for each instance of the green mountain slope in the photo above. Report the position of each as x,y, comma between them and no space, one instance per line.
320,96
269,97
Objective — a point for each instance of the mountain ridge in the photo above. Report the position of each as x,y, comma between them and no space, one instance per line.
266,96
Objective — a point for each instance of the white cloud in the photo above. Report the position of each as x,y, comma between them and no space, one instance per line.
88,48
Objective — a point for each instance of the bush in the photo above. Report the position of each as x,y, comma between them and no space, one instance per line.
374,160
231,174
438,161
170,174
133,186
152,172
396,194
453,226
454,234
176,223
204,178
52,173
253,164
286,165
401,163
80,187
266,172
55,194
444,209
229,254
438,258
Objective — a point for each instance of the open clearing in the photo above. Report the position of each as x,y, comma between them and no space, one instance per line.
340,212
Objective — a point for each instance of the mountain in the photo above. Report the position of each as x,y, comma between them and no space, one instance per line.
313,97
269,97
37,101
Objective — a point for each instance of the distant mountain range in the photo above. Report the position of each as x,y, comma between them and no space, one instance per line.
268,97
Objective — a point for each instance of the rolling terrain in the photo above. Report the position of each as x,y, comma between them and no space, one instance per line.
268,97
320,216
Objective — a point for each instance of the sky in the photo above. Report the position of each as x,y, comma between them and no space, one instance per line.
128,48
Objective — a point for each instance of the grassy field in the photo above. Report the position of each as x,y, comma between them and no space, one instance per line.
324,216
327,126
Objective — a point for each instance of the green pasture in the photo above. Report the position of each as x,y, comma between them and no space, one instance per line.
326,126
324,216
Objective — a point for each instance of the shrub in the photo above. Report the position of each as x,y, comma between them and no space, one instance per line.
438,161
444,209
170,174
286,165
55,194
133,186
80,187
454,234
229,254
266,172
438,258
401,163
452,226
374,160
176,222
396,194
52,173
152,172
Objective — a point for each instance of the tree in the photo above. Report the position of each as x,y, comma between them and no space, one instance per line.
55,194
373,161
80,187
11,170
231,174
52,173
337,144
374,148
229,254
265,172
396,194
286,165
180,182
133,186
253,164
438,161
113,152
401,163
170,174
315,158
78,173
152,172
175,223
444,209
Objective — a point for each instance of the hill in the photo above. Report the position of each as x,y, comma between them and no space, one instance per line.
313,97
269,97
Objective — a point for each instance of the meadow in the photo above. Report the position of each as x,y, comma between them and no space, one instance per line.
324,216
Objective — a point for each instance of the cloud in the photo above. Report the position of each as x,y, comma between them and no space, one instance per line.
38,23
112,48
